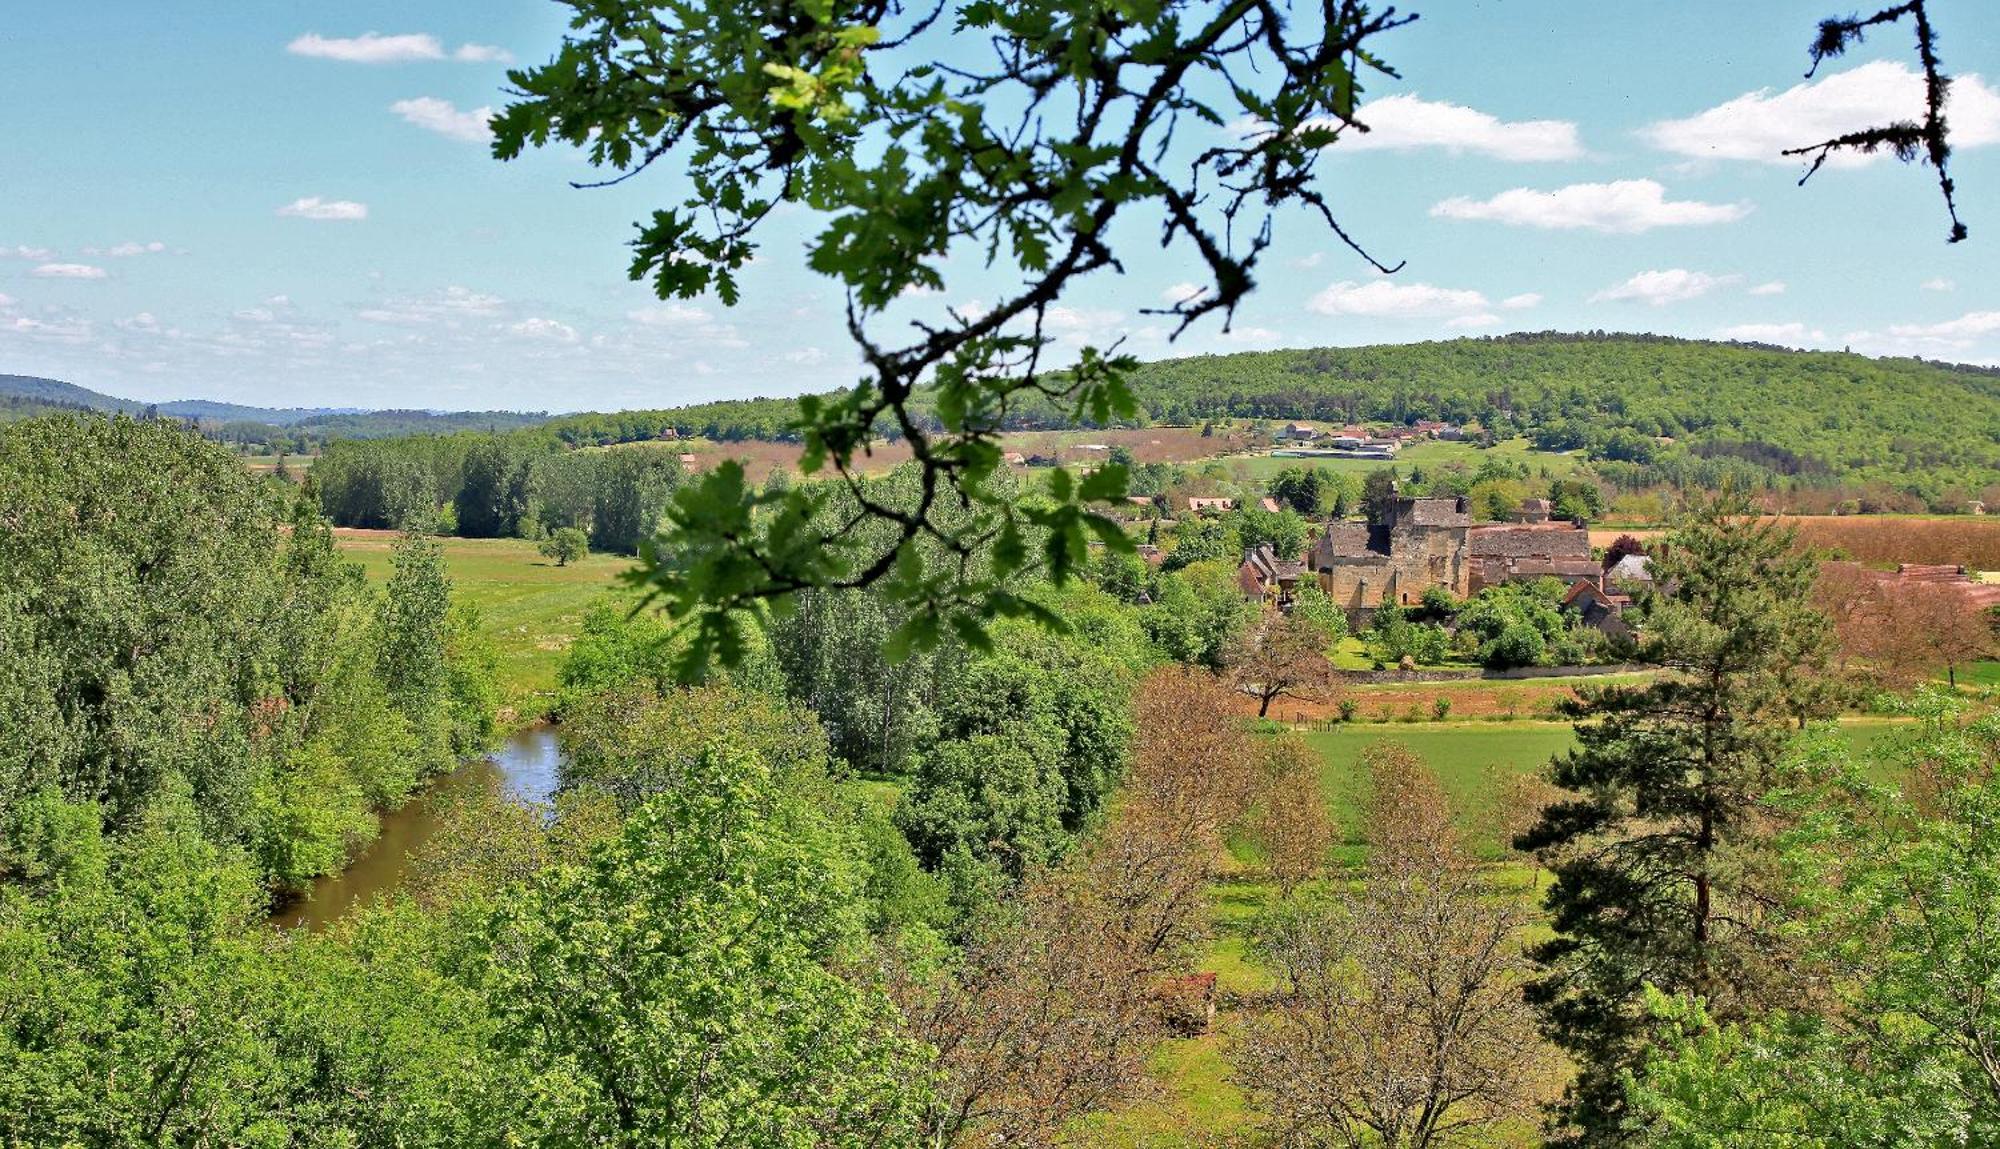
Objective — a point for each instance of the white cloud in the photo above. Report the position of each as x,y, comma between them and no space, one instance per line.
126,250
551,330
1759,125
1384,298
375,48
449,306
669,315
368,48
255,315
1939,284
1256,337
72,331
1966,327
444,118
1624,207
1308,262
1775,287
1180,293
482,54
1674,285
69,271
1483,319
1083,326
1522,301
313,207
6,300
806,357
23,251
1792,334
1405,123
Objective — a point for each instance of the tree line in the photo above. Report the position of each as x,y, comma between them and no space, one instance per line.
499,486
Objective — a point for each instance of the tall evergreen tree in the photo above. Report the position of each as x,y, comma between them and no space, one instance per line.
1656,851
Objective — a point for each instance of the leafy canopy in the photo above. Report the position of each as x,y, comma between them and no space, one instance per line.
1022,161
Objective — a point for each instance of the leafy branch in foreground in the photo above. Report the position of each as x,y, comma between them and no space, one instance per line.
1907,140
1008,135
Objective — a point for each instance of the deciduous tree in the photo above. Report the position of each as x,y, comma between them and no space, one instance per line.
1399,1020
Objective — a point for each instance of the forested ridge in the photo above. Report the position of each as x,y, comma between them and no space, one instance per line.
1799,414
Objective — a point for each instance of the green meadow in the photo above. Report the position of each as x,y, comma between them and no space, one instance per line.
530,607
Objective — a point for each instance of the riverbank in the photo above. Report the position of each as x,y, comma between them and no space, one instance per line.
526,767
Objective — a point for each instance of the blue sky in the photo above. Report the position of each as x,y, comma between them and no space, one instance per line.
292,204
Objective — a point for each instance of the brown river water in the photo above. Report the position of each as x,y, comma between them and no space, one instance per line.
526,767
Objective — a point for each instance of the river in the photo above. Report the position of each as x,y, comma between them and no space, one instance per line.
526,767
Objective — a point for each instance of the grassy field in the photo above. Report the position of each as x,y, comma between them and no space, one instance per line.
530,607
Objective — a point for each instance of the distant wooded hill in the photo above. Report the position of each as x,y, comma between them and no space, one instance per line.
22,395
1646,409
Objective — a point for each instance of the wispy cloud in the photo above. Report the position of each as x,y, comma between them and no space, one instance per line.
313,207
482,54
669,315
1407,123
23,251
450,306
1387,299
1622,207
1774,287
1762,124
1522,301
444,118
368,48
69,271
128,250
375,48
1659,288
549,330
1939,284
1969,326
1789,334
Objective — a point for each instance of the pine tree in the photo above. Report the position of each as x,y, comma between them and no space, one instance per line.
1655,851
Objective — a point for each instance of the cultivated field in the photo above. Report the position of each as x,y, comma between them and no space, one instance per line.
1971,541
1148,445
1427,453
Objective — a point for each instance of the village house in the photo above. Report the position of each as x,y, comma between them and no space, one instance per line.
1211,506
1264,577
1302,431
1630,572
1511,552
1268,503
1599,609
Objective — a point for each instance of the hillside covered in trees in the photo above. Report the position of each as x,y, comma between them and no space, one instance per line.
1652,409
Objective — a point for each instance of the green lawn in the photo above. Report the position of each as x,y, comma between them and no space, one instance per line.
529,606
1473,760
1984,674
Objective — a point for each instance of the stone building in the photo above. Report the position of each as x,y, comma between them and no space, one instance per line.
1511,552
1419,543
1427,542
